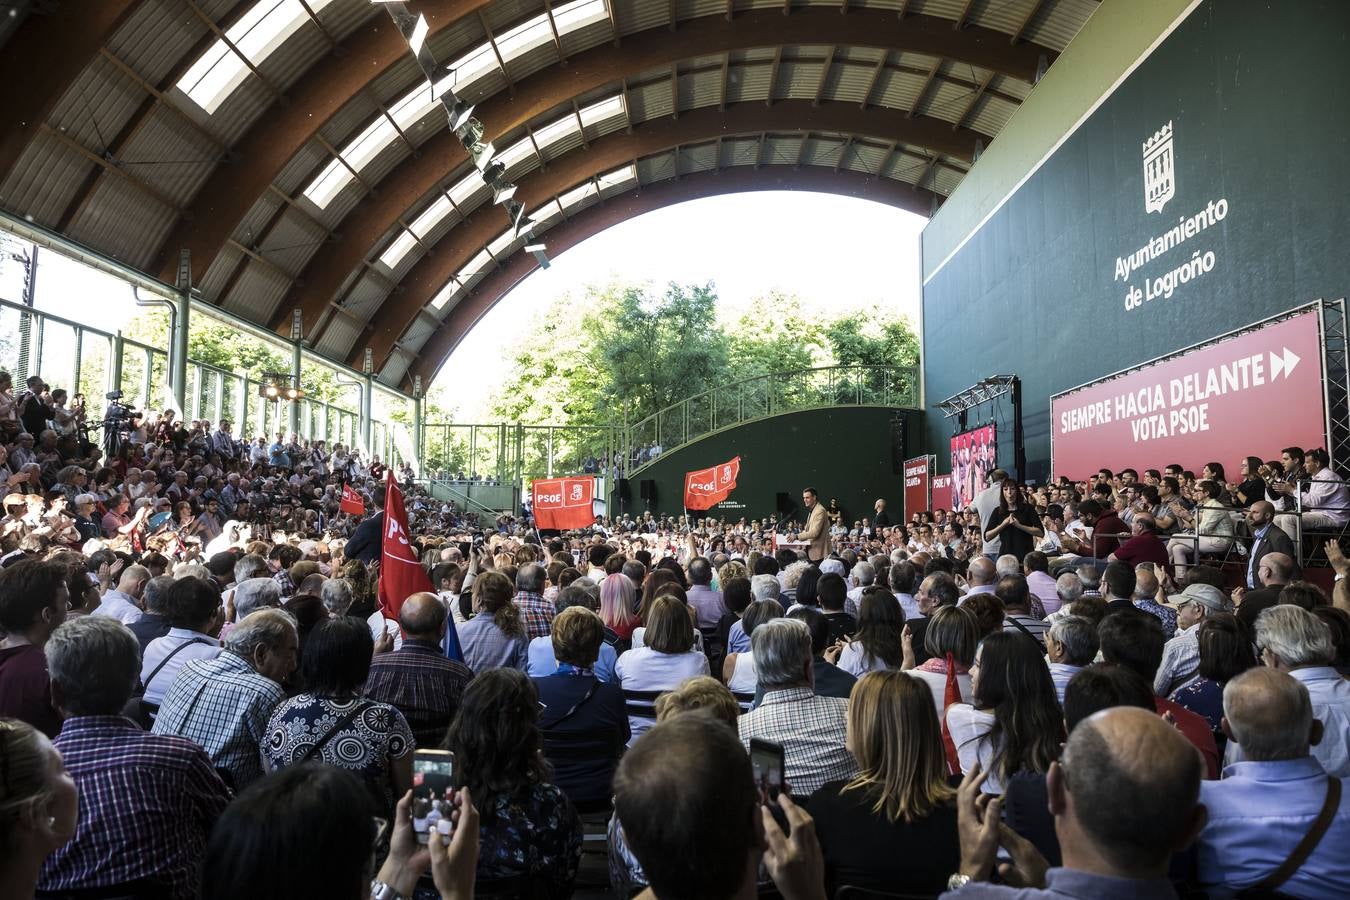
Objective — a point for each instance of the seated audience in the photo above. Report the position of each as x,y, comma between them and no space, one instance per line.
333,724
124,603
154,620
1070,646
1013,722
832,592
1266,806
1209,529
39,806
738,669
582,718
495,636
809,727
1124,801
702,804
1295,641
1134,639
527,826
539,655
900,797
417,679
1146,598
666,660
192,608
1013,592
876,646
950,641
936,589
617,601
224,703
33,600
1225,652
266,843
1181,655
147,801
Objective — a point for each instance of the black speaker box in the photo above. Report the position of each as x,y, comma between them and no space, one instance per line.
786,505
647,488
622,489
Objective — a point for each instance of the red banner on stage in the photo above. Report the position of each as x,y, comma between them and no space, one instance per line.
706,487
351,501
401,574
942,487
564,503
918,484
1248,395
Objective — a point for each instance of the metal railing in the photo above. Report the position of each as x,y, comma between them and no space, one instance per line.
512,453
762,396
93,362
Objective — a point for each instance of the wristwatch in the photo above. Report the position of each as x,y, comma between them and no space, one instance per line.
381,891
958,881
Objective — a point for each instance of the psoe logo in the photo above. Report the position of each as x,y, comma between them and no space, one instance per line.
1160,176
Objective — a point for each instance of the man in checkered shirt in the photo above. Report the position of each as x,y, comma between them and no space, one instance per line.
810,727
535,612
147,802
223,704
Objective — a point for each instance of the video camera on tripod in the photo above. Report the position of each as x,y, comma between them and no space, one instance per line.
118,421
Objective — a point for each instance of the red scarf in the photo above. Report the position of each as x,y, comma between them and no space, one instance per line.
951,695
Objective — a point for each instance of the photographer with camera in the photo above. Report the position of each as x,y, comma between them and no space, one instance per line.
34,405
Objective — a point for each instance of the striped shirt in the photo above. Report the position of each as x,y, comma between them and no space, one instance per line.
811,730
147,804
422,684
223,705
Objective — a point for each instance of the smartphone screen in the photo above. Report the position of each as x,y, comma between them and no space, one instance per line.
766,760
433,779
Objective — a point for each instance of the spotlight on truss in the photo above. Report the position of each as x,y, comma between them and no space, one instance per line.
539,255
482,153
458,111
470,131
495,176
515,211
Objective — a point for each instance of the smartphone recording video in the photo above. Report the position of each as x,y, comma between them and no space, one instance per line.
432,781
766,760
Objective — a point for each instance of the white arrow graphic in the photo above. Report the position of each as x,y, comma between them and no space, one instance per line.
1283,363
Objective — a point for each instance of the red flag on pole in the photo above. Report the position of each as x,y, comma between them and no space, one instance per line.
564,503
706,487
351,501
401,575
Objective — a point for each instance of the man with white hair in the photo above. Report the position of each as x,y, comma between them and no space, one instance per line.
809,727
861,577
336,595
1181,655
1261,810
762,587
1293,640
223,704
981,576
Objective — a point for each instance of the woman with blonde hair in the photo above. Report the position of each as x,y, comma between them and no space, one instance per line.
39,806
900,798
616,605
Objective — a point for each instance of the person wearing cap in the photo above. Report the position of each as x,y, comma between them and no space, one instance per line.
1181,655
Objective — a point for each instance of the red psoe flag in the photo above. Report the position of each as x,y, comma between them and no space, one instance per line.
401,575
351,501
564,503
706,487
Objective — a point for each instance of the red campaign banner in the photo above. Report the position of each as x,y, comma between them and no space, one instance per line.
942,487
1248,395
974,456
351,501
401,574
918,484
564,503
709,486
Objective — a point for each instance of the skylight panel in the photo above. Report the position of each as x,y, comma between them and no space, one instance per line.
444,294
472,66
577,194
398,248
257,34
546,213
501,243
557,130
619,176
476,265
603,111
467,188
431,216
517,153
334,177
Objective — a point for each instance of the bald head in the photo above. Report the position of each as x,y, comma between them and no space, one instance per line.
1263,508
1269,713
1127,785
982,571
133,580
1279,568
422,617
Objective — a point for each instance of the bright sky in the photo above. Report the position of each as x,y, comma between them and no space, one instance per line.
833,252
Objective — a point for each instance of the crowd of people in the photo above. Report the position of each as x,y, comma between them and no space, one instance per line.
1039,696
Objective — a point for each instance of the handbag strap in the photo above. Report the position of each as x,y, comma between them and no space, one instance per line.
165,661
575,706
332,732
1310,840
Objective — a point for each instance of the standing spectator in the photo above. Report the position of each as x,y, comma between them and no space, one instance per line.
665,659
1261,811
1013,524
495,635
1013,723
528,827
900,797
1295,641
810,728
223,704
33,598
417,679
147,801
333,724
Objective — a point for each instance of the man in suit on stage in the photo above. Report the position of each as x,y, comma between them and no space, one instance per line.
817,531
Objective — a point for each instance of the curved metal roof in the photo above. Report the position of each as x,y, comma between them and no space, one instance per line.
293,146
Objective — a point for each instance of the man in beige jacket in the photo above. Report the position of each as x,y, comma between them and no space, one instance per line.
817,527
